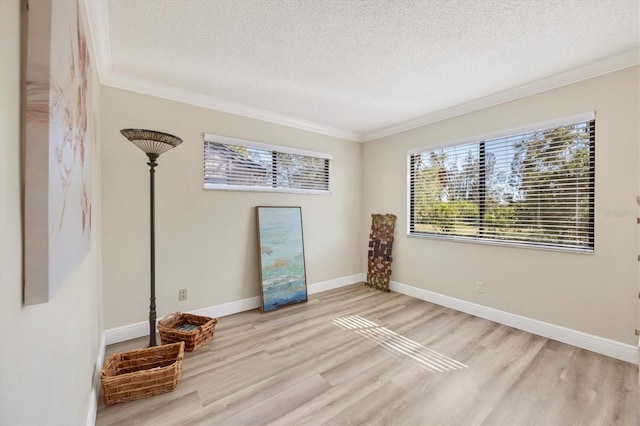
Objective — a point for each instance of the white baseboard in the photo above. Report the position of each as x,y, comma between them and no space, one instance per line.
601,345
133,331
140,329
95,388
229,308
126,332
338,282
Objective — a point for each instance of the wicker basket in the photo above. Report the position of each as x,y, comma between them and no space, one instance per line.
141,373
200,333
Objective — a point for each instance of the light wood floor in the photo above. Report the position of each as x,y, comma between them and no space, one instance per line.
357,356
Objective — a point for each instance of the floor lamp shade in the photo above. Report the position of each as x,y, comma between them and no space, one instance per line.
151,141
153,144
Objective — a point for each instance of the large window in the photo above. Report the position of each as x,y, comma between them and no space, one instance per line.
235,164
533,186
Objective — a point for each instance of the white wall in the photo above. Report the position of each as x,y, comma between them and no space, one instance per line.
206,241
47,351
596,294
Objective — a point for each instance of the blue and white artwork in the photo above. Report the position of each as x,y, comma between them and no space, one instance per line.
282,270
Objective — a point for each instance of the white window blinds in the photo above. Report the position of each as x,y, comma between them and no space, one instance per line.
235,164
533,188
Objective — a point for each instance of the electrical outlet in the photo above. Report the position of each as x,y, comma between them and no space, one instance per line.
480,286
182,294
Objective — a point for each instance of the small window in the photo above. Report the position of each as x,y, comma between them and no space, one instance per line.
530,187
240,165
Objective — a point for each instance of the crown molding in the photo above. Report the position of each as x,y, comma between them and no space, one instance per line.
98,17
607,65
133,84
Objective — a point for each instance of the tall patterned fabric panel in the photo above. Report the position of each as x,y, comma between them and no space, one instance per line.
380,245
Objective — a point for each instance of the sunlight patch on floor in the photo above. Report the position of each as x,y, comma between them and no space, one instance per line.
398,344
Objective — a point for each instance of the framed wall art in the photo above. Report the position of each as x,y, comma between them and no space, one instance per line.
58,129
283,279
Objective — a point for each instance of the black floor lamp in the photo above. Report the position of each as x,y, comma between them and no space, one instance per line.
153,144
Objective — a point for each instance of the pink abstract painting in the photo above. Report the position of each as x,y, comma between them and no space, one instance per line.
58,142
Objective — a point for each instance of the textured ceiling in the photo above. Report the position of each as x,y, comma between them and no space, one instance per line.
360,66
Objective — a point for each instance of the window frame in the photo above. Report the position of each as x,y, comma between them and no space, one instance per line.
279,149
538,126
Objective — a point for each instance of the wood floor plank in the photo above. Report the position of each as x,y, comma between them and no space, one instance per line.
274,407
528,398
467,396
370,408
354,355
324,406
568,401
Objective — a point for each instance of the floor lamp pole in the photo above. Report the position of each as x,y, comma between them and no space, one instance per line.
152,242
152,143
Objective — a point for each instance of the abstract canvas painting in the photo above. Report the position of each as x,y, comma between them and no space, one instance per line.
282,269
57,146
